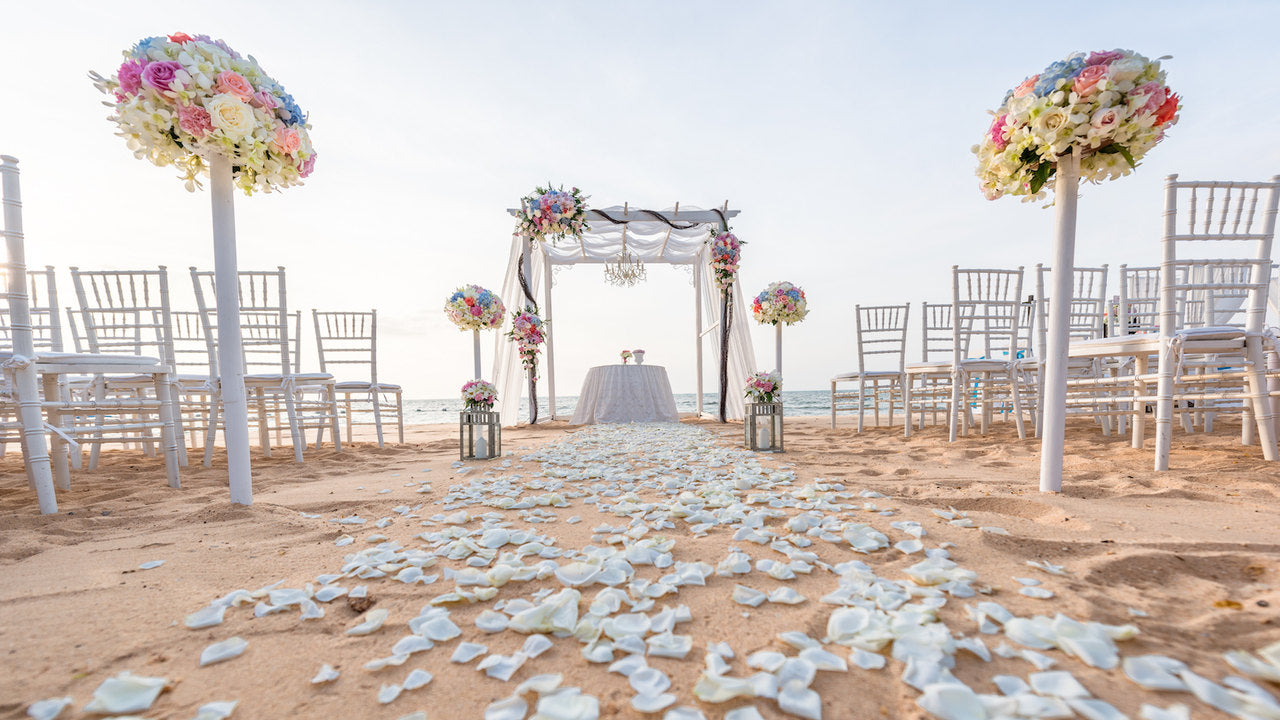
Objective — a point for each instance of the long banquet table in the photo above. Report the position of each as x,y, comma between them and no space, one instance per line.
625,393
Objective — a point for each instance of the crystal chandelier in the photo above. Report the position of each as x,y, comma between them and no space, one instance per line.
627,270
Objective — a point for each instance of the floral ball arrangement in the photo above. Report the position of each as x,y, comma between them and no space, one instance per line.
1112,104
552,213
780,302
479,395
180,98
526,331
726,252
471,307
764,387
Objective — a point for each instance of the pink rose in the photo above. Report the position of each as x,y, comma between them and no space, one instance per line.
476,311
997,133
1103,57
234,83
160,75
1156,95
265,100
286,140
1088,79
195,120
1026,87
130,76
1104,119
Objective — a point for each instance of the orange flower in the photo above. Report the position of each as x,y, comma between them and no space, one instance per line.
1168,109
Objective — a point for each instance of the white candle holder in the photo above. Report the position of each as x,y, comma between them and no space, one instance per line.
762,427
479,435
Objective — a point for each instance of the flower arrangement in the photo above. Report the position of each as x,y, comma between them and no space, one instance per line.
526,331
179,98
764,387
726,251
479,395
472,307
626,356
780,302
552,213
1113,105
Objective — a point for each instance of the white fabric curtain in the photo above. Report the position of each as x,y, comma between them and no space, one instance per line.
508,374
742,357
653,242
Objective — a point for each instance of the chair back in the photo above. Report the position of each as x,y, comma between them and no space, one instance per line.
1139,300
1222,220
988,306
1088,305
936,339
125,312
264,317
349,338
42,306
882,330
194,350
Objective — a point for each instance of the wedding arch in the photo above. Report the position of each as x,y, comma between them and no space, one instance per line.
672,236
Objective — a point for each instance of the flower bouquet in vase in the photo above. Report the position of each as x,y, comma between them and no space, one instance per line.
639,356
626,356
762,422
479,431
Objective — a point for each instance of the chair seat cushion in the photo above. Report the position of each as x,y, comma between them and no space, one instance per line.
259,378
359,385
94,359
1149,343
931,366
868,374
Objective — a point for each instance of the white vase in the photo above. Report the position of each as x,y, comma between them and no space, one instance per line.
639,356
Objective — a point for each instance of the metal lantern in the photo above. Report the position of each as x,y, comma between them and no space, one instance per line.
762,426
479,435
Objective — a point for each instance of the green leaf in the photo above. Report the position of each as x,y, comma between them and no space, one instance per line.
1040,177
1114,148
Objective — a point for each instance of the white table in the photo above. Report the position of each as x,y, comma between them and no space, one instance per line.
625,393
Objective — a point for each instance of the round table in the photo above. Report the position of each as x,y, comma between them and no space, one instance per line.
625,393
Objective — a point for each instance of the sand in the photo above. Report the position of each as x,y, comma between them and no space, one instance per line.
1196,548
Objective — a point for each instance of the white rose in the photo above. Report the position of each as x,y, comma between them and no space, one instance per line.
1050,121
1126,69
230,115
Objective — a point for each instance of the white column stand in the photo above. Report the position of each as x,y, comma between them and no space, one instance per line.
1053,442
475,336
230,351
778,349
36,448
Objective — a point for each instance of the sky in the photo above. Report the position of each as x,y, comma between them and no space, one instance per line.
840,130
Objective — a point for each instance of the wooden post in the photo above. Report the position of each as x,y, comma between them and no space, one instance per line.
549,333
230,350
1053,441
697,325
526,271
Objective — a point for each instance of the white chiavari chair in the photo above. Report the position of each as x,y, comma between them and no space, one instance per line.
986,352
305,400
881,331
351,338
927,387
1198,360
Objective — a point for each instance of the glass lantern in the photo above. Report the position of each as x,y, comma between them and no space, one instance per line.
479,435
762,427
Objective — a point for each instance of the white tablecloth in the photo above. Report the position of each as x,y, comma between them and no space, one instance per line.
625,393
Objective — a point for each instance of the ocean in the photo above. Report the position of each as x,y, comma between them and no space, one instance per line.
797,403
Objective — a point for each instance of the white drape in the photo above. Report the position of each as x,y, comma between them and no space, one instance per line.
653,242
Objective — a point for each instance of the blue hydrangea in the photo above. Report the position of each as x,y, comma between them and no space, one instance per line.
147,43
296,116
1058,70
455,297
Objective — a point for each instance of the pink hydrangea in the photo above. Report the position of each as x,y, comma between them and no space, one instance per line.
1156,95
195,120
